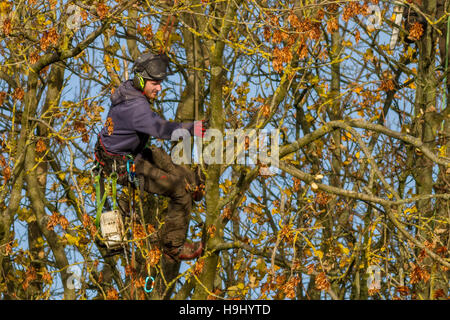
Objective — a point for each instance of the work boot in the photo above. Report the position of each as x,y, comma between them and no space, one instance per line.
188,251
197,192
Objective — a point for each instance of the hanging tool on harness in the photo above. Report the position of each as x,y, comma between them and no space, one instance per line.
110,222
131,170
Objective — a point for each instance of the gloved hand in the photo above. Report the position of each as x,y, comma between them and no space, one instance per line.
199,128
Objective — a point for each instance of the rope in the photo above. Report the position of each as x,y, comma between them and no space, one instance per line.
446,62
195,77
170,20
133,255
133,184
141,211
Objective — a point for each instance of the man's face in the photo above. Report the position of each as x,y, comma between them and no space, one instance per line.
152,88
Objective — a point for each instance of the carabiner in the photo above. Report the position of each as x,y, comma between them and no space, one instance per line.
96,168
131,171
146,282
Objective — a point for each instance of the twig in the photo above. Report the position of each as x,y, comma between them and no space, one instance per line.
274,251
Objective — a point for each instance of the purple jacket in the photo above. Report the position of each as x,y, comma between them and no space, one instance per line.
131,122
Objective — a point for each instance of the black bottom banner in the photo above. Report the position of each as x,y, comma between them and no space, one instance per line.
223,309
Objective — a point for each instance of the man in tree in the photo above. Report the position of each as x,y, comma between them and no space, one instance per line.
129,125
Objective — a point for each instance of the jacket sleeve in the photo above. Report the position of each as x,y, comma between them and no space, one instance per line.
149,122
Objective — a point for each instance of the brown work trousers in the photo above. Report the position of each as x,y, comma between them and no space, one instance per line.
157,174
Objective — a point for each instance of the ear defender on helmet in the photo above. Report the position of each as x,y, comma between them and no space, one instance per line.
138,82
